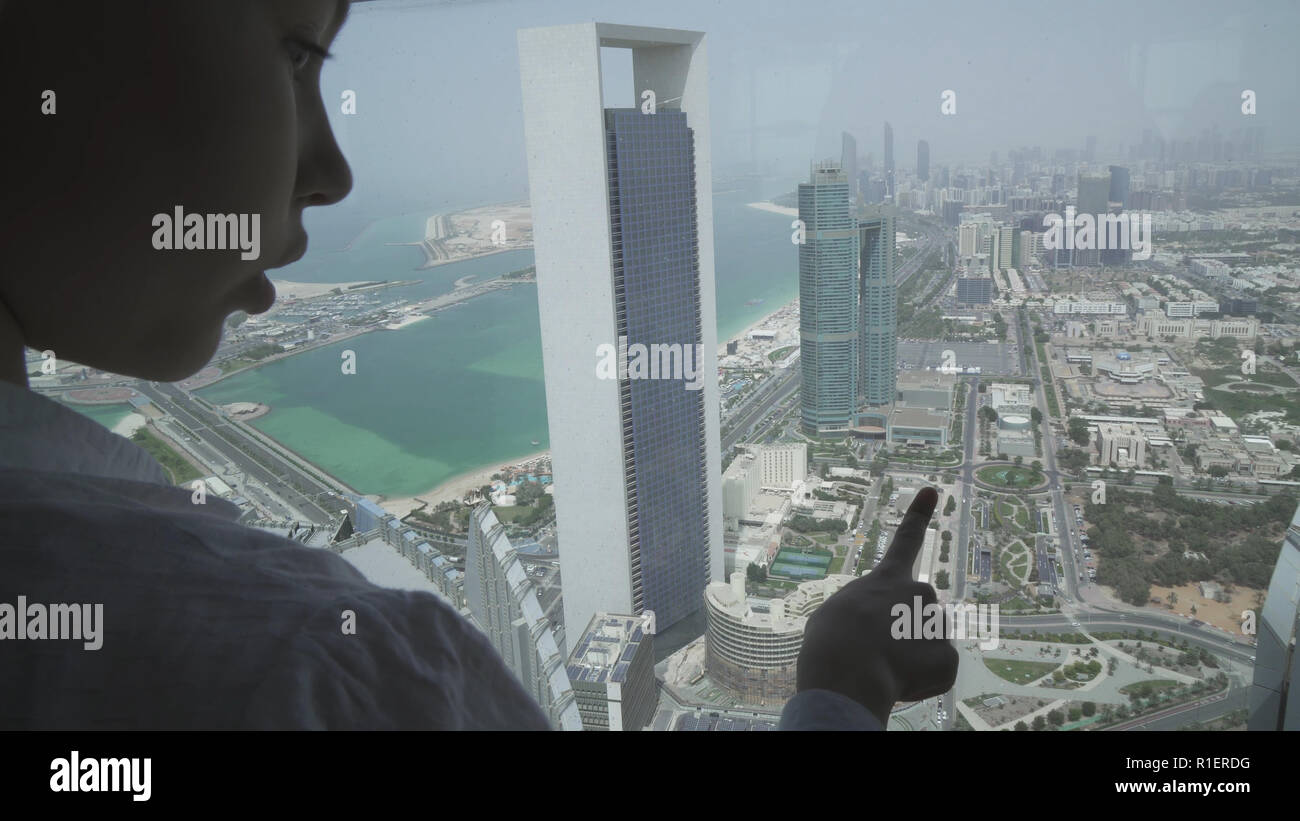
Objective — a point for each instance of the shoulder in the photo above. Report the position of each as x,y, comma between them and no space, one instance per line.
391,659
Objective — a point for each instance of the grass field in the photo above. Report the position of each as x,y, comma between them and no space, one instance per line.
1146,688
1009,476
1019,672
178,469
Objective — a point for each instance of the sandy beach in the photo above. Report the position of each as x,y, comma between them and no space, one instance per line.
773,208
761,323
409,319
454,488
131,423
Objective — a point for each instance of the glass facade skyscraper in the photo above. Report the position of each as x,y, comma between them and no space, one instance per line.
828,302
878,306
1275,690
622,207
654,245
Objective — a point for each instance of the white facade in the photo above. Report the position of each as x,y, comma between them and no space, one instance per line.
564,134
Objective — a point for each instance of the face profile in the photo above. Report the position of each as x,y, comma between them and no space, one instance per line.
128,111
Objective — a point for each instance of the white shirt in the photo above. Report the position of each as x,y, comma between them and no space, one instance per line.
206,624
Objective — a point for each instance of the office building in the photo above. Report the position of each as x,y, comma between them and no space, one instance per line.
974,290
503,603
752,646
1121,445
1119,186
613,673
828,302
889,160
1275,691
776,467
878,307
623,235
1093,198
849,162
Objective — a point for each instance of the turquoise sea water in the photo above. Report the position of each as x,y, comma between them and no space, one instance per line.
106,415
462,390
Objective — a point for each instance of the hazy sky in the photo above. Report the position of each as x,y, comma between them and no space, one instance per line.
438,97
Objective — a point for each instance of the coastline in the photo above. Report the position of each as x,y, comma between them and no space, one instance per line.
773,208
759,323
453,488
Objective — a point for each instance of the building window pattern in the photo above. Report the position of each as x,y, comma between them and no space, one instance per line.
655,263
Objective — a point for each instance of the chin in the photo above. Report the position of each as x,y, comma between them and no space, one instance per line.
178,358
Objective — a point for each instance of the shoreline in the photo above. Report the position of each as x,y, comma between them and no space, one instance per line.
453,488
773,208
755,325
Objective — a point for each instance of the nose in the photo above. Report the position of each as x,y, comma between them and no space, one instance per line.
324,176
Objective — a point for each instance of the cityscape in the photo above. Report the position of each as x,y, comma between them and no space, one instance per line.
1090,349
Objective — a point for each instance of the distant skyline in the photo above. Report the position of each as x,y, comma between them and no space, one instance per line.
785,85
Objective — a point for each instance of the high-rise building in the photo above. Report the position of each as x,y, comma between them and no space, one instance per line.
974,290
1094,195
503,602
849,162
889,160
1119,184
1090,149
623,236
754,652
613,673
967,239
1002,248
878,307
828,302
922,160
1275,691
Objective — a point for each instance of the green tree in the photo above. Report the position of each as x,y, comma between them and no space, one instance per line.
1056,717
1021,726
1078,430
1039,722
1035,415
950,506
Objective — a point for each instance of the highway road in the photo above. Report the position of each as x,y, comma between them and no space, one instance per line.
970,434
220,435
1064,517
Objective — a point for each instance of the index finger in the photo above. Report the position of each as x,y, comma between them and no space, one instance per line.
910,535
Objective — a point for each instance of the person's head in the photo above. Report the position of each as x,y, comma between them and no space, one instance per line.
212,107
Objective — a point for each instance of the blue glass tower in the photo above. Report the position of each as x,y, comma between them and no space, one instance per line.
878,306
654,247
828,302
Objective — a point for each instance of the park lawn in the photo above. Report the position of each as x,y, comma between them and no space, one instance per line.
1146,688
512,512
835,566
1019,672
178,469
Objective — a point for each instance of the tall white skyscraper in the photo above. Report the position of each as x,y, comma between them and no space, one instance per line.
623,234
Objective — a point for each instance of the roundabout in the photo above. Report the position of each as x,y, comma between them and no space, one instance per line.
1005,476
